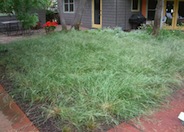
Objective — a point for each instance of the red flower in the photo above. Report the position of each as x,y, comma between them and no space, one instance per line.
49,24
54,23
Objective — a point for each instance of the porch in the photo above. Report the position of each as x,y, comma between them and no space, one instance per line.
173,13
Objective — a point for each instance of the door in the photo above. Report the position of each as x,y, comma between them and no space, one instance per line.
151,9
97,13
174,14
180,15
170,14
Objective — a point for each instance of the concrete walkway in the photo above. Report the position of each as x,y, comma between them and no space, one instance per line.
12,119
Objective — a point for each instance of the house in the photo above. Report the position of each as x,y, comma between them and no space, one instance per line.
173,13
116,13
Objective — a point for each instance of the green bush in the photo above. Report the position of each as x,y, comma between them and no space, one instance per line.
28,20
146,27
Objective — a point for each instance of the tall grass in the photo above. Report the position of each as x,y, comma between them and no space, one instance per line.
99,76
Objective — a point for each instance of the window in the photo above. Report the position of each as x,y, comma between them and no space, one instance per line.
135,6
151,9
68,6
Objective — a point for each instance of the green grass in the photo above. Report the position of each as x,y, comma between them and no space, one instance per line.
100,76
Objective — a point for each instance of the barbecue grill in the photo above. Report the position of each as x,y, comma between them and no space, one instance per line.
136,20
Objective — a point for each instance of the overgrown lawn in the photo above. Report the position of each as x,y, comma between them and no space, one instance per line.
89,78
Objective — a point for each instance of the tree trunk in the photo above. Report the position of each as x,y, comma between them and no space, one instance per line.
62,19
158,18
78,15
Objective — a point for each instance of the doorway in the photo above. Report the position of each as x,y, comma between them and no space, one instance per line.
174,14
97,13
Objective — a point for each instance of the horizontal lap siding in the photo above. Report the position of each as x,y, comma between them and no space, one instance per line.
86,18
87,15
108,13
124,13
69,16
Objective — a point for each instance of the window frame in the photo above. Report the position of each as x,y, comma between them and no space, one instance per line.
138,6
149,10
68,4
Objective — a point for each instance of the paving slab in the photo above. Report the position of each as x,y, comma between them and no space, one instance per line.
12,118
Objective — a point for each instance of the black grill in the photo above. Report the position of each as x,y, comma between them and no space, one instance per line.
136,20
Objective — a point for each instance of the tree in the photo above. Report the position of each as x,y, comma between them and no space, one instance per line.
23,9
78,15
158,18
62,19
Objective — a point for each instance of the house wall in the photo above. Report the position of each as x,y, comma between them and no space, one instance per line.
86,19
122,13
69,16
42,16
87,16
115,13
109,13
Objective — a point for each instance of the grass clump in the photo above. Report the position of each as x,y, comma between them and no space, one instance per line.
88,77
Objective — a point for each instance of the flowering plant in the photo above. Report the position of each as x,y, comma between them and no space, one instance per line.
50,26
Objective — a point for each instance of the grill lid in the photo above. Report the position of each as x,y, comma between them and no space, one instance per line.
137,18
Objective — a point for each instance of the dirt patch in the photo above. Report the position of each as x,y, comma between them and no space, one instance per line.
7,39
4,38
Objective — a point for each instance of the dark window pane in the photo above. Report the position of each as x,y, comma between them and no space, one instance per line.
135,4
66,1
151,9
181,9
66,7
71,8
180,21
97,11
152,4
71,1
